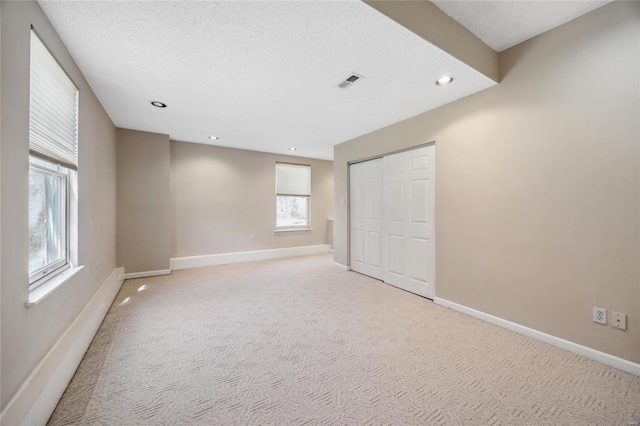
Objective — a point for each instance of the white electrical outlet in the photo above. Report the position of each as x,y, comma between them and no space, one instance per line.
251,236
618,320
599,315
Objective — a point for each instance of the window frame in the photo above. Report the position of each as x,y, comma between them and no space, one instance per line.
307,225
53,151
44,273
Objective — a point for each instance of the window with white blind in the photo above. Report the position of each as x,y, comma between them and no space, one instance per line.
53,157
293,196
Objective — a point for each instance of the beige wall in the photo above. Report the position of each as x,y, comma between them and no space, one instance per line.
143,232
538,183
222,195
28,333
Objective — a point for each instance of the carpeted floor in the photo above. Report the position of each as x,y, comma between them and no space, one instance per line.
298,341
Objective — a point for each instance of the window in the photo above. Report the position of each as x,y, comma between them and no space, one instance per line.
293,195
48,237
53,148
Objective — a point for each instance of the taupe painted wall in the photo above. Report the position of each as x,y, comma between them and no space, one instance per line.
143,179
538,183
222,195
28,333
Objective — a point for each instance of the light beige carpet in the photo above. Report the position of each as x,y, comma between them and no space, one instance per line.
297,341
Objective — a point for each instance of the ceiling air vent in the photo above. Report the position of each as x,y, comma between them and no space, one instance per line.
349,81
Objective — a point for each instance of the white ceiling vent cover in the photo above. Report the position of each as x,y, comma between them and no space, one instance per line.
349,81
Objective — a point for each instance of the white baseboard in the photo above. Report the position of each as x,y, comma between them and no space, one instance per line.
38,396
613,361
146,274
341,266
190,262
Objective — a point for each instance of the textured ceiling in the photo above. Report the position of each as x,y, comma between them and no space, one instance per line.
502,24
259,75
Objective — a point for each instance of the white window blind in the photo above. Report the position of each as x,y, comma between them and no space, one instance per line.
53,109
293,179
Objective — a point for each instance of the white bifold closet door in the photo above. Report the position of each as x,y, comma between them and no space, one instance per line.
398,244
408,217
366,217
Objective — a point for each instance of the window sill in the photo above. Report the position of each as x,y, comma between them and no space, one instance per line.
39,294
292,229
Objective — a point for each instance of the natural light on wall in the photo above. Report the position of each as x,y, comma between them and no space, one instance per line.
293,196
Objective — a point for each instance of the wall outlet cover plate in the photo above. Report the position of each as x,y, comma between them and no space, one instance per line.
599,315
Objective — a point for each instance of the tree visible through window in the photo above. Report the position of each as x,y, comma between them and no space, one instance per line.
292,211
47,217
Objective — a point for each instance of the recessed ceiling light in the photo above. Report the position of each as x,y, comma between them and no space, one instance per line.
292,149
158,104
213,138
444,80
